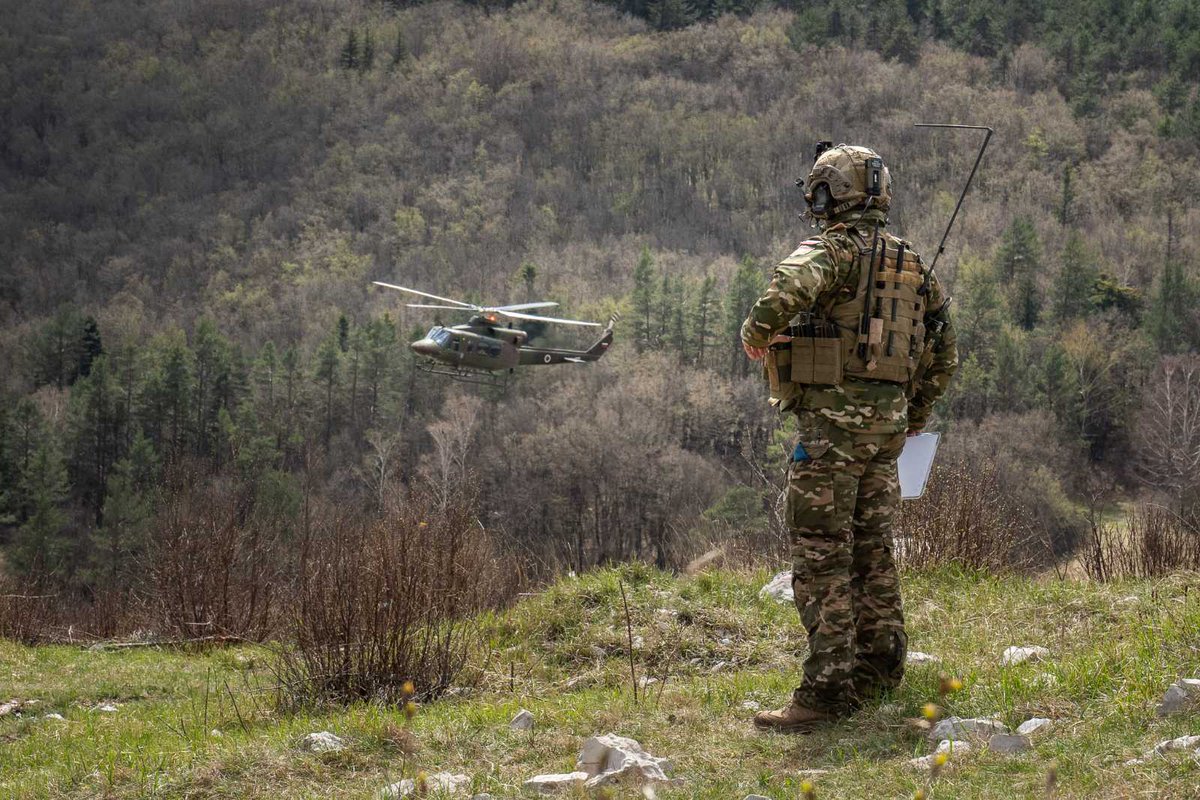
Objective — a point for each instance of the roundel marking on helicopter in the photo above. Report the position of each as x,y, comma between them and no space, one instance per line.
546,358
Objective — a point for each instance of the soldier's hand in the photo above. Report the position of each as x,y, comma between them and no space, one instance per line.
754,353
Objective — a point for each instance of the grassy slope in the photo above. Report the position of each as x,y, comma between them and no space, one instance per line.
1112,658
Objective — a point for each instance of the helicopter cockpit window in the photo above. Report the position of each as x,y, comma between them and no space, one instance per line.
439,335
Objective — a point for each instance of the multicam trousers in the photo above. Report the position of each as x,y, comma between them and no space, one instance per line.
842,491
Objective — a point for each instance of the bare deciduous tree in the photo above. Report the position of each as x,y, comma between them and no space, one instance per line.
1168,440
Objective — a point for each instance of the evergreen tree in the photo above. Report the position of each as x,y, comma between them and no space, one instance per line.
90,346
96,423
343,333
1066,203
1171,308
669,15
54,353
702,318
119,543
399,49
366,61
40,545
1011,374
327,375
677,333
349,55
744,291
212,360
1019,262
643,301
1073,285
978,318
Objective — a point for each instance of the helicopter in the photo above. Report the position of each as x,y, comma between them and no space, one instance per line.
488,343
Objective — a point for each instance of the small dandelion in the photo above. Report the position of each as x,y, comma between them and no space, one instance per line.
956,685
807,791
408,690
931,711
948,685
410,709
422,782
941,758
422,524
920,795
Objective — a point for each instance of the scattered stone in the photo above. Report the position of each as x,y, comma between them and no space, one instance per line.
1019,655
549,784
573,682
1033,725
444,782
1008,744
598,651
720,665
638,642
216,734
55,716
1182,695
726,642
755,797
1128,600
322,742
948,746
779,588
483,796
751,705
667,612
611,759
523,721
644,681
915,658
11,707
106,708
812,773
1169,745
958,729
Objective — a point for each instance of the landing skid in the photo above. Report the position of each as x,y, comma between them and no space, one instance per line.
465,374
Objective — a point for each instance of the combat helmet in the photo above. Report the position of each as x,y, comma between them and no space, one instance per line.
843,177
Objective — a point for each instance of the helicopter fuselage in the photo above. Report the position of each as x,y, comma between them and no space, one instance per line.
482,346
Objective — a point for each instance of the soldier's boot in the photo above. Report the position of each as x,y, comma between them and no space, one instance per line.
792,718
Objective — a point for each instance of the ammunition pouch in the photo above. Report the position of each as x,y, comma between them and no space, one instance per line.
885,342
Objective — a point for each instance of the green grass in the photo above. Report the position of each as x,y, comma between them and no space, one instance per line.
562,655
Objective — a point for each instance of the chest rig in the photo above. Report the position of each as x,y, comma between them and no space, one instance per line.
877,332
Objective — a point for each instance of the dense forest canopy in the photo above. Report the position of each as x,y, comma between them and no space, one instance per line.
194,199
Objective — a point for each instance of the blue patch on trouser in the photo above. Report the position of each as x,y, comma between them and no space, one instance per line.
800,454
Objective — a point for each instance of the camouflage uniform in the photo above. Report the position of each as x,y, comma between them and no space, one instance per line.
842,481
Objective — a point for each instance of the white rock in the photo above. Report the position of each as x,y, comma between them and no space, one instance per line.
216,734
755,797
638,642
720,665
1019,655
444,782
779,588
55,716
1033,725
549,784
1182,743
106,708
917,658
953,748
1008,744
11,707
644,681
322,742
958,729
523,721
750,705
726,642
611,759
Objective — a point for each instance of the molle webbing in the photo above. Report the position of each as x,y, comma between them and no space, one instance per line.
894,334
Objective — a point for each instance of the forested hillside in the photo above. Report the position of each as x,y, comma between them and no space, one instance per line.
195,198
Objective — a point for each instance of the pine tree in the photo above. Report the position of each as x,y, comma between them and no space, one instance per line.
90,346
703,318
40,546
399,49
349,55
119,543
677,332
343,333
96,423
1018,261
1065,211
643,301
1171,307
744,291
1074,282
366,61
327,373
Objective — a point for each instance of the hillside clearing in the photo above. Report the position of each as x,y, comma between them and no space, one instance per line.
204,725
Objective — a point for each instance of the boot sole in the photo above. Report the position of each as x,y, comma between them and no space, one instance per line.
799,727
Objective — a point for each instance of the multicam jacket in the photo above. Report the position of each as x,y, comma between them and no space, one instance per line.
827,264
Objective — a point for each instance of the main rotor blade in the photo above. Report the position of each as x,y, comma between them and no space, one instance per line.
516,315
523,306
427,294
448,308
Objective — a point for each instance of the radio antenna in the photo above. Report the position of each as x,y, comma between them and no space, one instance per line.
987,137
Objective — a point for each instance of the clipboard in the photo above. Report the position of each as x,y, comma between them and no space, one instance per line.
915,462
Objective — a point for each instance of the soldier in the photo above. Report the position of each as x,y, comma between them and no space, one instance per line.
861,363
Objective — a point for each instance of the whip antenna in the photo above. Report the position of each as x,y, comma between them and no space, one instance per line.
987,137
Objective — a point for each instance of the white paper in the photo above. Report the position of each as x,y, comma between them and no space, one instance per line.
916,459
